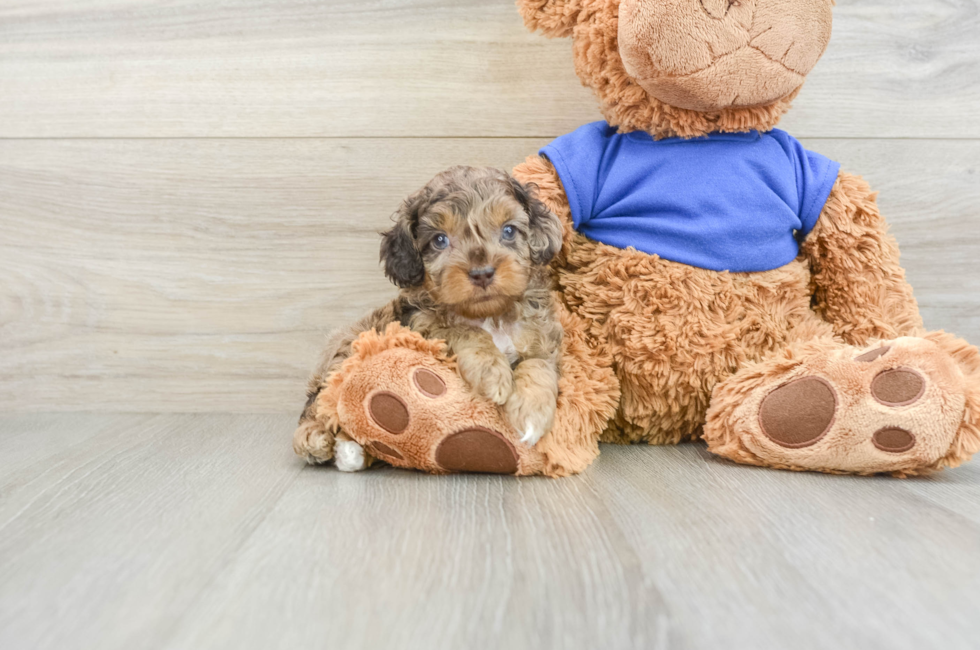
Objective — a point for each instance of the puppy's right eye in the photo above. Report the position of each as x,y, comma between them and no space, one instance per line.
440,242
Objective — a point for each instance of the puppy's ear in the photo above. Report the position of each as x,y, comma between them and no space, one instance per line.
402,260
545,228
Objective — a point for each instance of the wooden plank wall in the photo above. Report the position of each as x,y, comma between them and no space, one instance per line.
190,192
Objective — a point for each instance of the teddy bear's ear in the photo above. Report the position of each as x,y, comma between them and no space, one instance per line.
553,18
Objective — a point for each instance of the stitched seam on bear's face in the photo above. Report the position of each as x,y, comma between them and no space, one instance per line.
712,16
731,3
669,75
779,63
748,34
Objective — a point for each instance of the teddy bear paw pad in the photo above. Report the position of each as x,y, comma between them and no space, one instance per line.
383,451
411,411
798,414
893,408
877,353
898,387
389,412
893,439
429,383
477,450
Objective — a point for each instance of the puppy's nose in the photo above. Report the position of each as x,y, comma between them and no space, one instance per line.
482,277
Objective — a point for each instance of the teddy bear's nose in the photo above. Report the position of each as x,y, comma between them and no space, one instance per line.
482,277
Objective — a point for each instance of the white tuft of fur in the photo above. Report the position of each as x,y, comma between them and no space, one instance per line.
503,336
349,456
532,436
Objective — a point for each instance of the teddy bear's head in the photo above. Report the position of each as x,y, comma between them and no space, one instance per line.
689,67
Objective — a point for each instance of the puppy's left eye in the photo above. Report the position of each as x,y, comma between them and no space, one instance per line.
508,233
440,242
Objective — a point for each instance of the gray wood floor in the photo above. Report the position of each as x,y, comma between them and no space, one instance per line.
203,531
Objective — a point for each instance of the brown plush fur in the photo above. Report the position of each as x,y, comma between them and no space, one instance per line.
858,284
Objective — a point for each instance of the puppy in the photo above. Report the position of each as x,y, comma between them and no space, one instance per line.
470,253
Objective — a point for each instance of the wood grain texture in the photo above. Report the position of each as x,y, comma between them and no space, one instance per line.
202,275
177,531
763,558
407,68
109,541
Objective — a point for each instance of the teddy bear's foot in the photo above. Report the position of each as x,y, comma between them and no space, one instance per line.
412,410
905,407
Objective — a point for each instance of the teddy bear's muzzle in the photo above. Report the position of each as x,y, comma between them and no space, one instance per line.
709,55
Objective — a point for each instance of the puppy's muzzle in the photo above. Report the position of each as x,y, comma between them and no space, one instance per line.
482,277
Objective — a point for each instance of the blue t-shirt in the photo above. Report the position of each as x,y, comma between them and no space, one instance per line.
728,201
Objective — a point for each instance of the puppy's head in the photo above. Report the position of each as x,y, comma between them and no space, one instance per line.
471,238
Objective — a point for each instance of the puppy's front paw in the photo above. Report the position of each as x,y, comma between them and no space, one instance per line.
349,456
531,415
488,374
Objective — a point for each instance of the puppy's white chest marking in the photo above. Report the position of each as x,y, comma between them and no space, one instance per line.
503,337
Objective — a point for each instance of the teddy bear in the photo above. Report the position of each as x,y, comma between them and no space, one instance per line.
716,280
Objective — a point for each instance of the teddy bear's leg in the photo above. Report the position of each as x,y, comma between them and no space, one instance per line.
408,408
904,406
401,399
398,397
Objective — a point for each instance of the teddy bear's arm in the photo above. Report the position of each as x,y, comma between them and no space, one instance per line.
539,171
859,284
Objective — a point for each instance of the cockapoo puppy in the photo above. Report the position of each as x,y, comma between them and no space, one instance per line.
470,253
